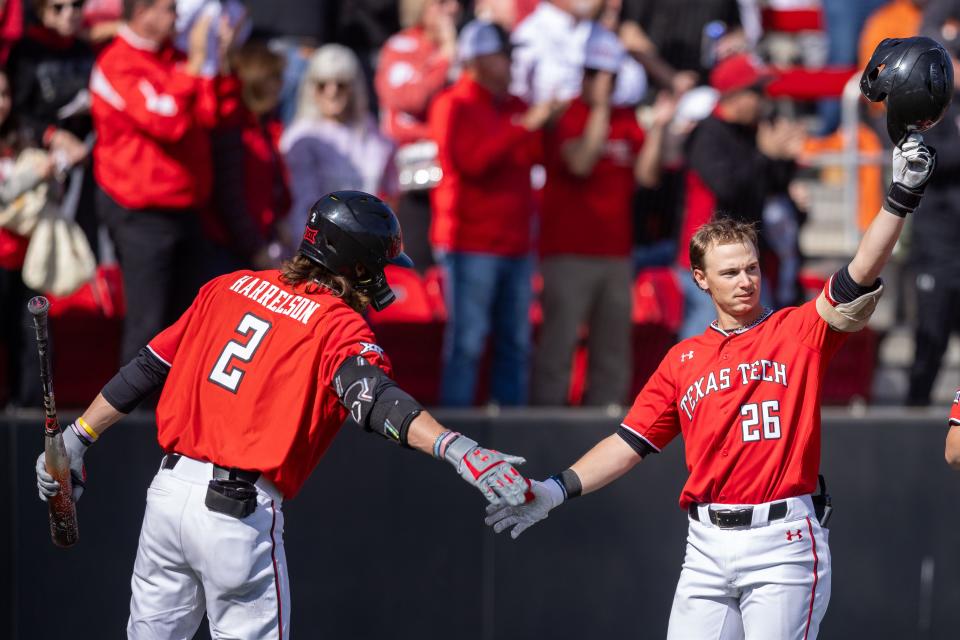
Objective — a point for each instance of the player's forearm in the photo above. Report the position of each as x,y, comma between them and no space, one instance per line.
100,415
604,463
875,248
952,449
423,433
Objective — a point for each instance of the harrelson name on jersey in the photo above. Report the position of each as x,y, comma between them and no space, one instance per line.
762,370
274,298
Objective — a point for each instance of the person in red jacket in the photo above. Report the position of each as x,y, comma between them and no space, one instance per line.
482,215
596,154
152,111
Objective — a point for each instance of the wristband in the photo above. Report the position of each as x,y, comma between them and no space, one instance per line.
442,442
84,432
902,200
569,482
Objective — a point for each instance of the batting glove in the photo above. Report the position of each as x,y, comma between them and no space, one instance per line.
547,495
76,447
913,164
489,471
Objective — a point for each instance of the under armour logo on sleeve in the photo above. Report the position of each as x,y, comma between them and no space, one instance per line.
686,356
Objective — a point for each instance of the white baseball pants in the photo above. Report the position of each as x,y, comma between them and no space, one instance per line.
765,581
192,560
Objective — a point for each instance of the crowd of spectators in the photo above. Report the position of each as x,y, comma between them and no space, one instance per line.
522,142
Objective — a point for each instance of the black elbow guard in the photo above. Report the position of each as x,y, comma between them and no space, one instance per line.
374,401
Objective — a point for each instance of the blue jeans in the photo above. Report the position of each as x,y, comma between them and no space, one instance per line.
698,309
485,292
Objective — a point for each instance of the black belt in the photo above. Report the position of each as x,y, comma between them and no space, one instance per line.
730,518
224,473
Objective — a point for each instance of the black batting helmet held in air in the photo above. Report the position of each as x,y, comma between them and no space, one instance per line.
914,76
347,229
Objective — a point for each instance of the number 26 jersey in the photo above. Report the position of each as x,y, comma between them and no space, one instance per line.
251,366
747,403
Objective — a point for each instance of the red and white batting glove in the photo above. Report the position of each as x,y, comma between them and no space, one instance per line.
489,471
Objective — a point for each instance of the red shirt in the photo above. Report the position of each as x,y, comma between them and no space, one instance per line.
484,202
747,404
955,410
592,215
152,121
411,71
251,366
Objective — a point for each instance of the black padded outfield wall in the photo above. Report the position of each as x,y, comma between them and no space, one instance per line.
385,543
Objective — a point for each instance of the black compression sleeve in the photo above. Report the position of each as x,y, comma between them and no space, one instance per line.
845,289
135,381
638,444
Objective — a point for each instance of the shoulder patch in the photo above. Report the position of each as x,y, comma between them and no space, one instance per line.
366,347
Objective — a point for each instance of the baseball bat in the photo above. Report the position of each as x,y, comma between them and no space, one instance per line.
63,512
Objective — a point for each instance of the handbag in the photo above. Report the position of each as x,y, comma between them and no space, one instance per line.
59,259
21,215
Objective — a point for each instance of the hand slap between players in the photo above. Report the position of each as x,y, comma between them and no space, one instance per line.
489,471
547,495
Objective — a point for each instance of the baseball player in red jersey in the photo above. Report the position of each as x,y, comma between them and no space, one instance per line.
257,376
745,397
952,450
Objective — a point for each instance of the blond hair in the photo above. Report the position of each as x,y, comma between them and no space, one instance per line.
300,270
719,231
333,62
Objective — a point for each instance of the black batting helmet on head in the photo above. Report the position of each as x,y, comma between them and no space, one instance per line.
914,76
351,229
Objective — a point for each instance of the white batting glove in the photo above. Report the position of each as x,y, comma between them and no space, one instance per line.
547,495
489,471
913,162
47,486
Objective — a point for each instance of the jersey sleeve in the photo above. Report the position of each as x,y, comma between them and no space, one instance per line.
166,343
347,335
955,410
654,416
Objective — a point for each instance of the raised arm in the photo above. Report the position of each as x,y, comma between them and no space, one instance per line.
913,165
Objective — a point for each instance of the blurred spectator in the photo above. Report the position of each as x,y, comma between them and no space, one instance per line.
934,256
548,50
18,174
736,160
11,26
679,52
415,65
102,19
153,110
50,70
334,142
482,217
294,29
506,13
896,19
843,21
250,192
593,158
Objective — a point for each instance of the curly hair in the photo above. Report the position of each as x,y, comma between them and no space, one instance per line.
301,271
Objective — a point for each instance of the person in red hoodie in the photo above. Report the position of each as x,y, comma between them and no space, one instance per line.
483,210
152,111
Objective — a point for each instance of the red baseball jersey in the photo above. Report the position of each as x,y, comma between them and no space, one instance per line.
748,405
955,410
251,368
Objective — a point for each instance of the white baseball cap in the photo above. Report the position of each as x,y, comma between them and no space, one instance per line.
481,38
603,50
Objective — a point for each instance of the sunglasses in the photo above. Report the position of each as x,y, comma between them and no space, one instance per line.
59,7
341,85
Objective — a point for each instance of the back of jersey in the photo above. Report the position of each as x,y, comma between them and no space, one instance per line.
251,362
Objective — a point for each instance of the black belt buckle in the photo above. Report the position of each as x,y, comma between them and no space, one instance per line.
729,518
236,498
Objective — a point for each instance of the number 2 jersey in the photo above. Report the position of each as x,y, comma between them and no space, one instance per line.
748,405
251,367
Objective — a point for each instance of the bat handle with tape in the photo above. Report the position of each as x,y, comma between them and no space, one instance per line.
63,512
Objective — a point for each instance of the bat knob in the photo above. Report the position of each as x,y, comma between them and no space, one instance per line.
38,305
